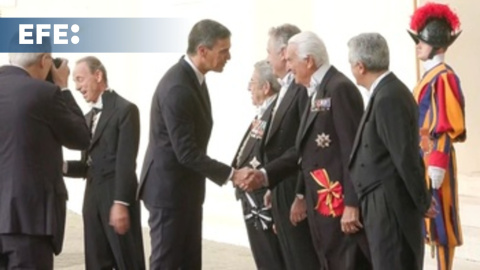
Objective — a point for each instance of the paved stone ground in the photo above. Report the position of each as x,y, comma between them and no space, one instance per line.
223,256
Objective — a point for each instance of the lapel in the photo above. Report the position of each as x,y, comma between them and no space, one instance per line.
367,112
108,100
251,141
204,98
321,92
88,118
281,110
245,136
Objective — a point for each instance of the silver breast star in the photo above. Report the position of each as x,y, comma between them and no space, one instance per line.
323,140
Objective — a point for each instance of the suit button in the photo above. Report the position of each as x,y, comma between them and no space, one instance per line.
362,165
359,185
366,145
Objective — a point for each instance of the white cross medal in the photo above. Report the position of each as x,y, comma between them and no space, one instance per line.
255,163
323,140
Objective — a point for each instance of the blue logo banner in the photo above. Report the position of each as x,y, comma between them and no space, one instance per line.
94,35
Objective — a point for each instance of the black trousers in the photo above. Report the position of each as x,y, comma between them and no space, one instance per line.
26,252
176,238
389,248
104,248
336,250
295,241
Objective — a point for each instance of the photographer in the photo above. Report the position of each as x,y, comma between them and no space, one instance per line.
37,119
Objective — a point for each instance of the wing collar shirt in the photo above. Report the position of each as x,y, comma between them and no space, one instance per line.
285,83
316,80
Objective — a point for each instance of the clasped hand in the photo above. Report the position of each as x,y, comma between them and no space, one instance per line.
248,179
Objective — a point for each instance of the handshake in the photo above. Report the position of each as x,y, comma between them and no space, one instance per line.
249,179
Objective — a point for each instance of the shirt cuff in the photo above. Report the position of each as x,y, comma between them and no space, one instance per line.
65,167
230,176
265,177
122,203
64,89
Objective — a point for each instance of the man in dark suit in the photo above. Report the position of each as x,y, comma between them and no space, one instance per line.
322,149
264,88
111,213
385,163
37,118
172,182
295,240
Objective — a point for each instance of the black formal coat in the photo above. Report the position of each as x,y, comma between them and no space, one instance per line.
111,177
386,153
295,241
325,141
258,219
36,120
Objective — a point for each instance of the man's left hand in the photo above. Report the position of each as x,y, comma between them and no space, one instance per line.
119,218
350,221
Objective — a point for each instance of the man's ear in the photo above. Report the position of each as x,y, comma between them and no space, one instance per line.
266,88
310,62
361,68
44,60
98,75
202,50
283,53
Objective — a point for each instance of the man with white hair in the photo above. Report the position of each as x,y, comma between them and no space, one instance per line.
385,164
322,152
37,119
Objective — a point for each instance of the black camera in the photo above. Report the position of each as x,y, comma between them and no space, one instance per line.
57,62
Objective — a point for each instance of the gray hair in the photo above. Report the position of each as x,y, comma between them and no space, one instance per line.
371,50
265,74
93,65
24,59
281,34
206,32
308,43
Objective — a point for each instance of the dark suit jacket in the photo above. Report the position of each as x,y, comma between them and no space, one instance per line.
113,149
340,122
386,152
284,127
36,120
176,163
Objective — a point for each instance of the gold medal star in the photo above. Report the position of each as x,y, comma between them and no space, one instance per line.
323,140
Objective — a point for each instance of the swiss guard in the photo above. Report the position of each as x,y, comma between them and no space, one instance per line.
434,27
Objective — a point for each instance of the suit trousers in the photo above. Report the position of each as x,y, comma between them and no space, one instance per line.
26,252
389,248
104,248
176,237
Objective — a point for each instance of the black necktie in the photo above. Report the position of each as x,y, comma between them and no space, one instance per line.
95,112
204,93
